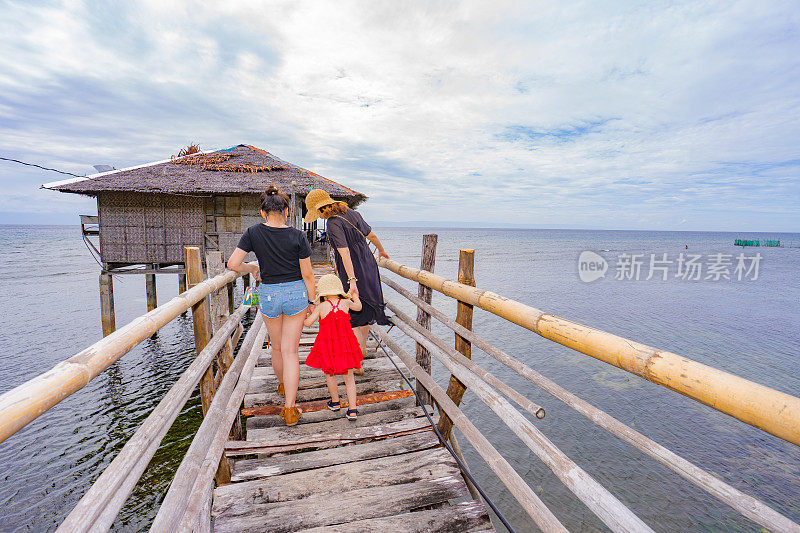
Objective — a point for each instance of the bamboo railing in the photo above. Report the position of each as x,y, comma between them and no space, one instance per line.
217,329
23,404
775,412
467,374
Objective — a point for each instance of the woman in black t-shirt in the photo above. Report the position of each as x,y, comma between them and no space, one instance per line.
287,286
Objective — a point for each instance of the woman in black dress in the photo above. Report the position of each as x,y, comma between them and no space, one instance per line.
348,234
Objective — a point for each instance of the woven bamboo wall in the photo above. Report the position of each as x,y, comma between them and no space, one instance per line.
148,228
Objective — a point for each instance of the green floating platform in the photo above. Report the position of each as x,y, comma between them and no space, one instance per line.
743,242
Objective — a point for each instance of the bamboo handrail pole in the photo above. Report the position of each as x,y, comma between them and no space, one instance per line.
174,503
533,408
522,492
773,411
24,403
597,498
98,508
747,505
205,478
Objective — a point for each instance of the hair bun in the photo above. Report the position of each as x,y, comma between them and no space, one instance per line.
272,190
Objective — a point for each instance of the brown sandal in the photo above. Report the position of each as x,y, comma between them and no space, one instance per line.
281,390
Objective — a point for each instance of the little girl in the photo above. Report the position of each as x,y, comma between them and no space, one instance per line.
336,350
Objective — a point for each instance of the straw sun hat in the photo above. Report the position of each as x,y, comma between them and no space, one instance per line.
329,285
315,199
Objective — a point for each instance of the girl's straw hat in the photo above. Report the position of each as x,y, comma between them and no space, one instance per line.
329,285
315,199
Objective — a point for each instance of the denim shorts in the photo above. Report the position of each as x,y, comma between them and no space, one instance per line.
289,298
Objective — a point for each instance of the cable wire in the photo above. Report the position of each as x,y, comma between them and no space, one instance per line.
40,166
444,442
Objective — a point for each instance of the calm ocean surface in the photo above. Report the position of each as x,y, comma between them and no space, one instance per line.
50,303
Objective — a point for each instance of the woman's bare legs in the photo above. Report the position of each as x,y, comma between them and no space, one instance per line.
333,387
361,334
350,385
275,331
290,342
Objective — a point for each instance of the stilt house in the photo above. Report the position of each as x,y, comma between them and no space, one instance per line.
147,214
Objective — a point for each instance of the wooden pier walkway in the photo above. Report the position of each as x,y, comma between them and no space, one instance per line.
384,472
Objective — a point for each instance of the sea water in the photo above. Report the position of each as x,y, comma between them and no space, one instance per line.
748,326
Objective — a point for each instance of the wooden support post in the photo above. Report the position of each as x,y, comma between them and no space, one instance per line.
466,275
202,324
427,262
231,306
246,280
293,208
107,304
220,307
181,283
150,286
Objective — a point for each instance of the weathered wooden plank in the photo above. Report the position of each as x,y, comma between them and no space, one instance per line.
318,393
265,360
380,363
358,504
239,498
461,517
266,386
318,411
335,425
329,440
247,469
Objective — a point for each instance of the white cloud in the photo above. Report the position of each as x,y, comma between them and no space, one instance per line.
598,113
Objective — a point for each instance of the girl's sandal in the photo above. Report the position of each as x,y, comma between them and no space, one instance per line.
334,406
352,414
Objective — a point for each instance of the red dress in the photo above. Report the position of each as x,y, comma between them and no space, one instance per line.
336,348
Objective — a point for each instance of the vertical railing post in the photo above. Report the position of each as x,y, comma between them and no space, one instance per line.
107,304
455,389
231,305
200,319
219,314
150,289
181,283
427,262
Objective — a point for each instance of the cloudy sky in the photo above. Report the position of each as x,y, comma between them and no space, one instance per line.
617,115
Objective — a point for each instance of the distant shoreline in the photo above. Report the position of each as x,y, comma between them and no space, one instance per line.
446,226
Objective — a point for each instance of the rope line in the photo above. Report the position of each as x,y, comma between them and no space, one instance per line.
444,442
40,166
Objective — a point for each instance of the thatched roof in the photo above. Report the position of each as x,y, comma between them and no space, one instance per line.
254,170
